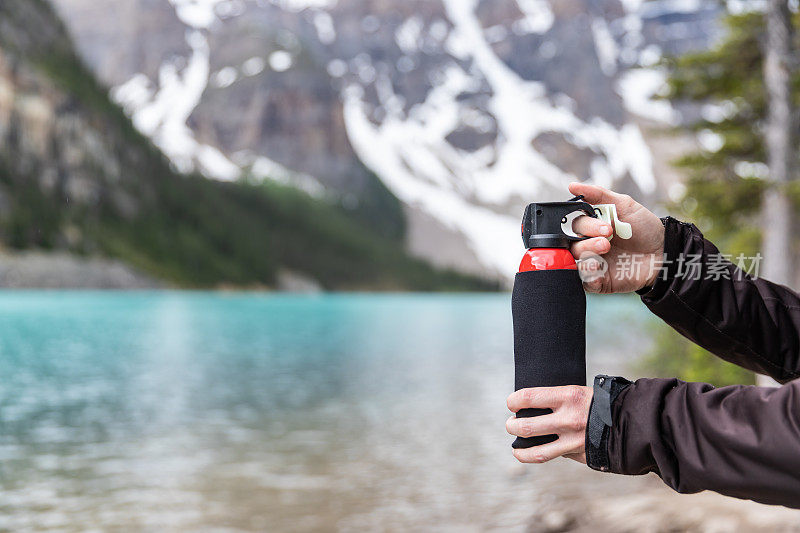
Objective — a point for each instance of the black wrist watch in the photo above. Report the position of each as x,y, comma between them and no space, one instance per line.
598,427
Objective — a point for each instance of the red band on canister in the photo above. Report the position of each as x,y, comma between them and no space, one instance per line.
547,259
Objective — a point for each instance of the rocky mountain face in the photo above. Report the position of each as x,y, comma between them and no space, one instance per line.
465,110
77,177
50,143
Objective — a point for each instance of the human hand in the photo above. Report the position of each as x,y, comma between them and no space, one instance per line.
570,405
643,252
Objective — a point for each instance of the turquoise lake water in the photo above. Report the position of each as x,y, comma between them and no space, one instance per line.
261,412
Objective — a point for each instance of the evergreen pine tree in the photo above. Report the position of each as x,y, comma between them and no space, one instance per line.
727,176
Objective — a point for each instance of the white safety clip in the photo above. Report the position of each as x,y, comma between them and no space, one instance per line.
608,214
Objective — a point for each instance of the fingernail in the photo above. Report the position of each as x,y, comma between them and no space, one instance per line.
605,230
599,246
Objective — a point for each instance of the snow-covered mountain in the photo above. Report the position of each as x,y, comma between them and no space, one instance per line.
465,109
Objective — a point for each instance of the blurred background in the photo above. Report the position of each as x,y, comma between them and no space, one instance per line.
310,211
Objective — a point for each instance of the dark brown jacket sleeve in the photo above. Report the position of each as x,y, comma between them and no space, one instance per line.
750,322
741,441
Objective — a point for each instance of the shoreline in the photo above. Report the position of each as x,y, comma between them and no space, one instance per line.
60,270
32,270
598,502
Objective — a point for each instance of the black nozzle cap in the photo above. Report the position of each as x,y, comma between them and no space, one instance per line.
541,224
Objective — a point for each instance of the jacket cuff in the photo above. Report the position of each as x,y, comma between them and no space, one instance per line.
675,235
598,427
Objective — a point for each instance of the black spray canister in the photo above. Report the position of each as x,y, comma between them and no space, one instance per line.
548,305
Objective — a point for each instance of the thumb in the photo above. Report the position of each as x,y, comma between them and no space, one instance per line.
594,194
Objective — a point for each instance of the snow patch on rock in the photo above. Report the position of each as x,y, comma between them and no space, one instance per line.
162,113
161,110
197,13
467,191
605,46
323,24
538,16
492,237
638,86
